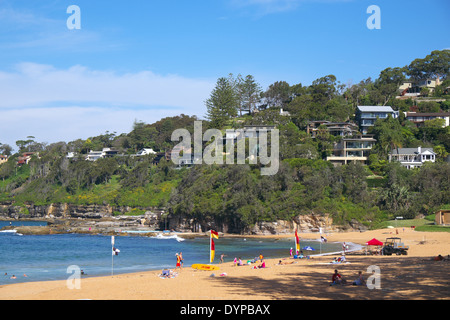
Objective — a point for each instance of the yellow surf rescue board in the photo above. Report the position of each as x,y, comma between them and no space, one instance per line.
206,267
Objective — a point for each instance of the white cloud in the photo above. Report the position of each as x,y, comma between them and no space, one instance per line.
71,123
35,85
65,104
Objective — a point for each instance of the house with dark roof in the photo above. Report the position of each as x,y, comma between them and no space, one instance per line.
419,118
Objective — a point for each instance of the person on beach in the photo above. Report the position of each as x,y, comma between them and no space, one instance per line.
336,278
291,252
360,280
181,260
221,257
282,262
262,265
178,265
235,262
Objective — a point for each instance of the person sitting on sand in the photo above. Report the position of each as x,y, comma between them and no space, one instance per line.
336,278
240,262
360,280
262,265
439,258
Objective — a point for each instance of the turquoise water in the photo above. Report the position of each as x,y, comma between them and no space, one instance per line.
47,257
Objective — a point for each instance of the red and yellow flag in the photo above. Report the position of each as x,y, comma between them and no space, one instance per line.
215,235
297,242
213,249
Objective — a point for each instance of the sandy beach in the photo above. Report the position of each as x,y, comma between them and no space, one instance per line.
412,277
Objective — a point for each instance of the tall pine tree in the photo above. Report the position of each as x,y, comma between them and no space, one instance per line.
223,103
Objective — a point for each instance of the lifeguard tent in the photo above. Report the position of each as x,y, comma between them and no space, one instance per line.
442,217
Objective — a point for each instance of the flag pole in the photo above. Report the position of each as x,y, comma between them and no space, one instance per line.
295,244
210,243
320,232
112,255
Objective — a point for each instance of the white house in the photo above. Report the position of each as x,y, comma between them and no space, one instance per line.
105,153
146,152
70,155
412,157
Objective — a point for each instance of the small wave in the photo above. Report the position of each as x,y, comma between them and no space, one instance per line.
161,236
14,232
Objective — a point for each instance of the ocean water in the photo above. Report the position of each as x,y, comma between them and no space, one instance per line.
47,257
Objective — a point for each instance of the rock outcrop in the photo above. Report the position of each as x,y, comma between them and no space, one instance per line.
108,219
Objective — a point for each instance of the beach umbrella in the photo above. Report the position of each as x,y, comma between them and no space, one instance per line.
374,242
308,248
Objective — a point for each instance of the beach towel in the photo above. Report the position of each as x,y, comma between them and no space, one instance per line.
168,274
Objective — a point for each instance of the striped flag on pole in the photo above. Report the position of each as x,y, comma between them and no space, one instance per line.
213,249
297,242
215,235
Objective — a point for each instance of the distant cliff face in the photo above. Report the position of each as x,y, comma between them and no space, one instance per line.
154,218
63,210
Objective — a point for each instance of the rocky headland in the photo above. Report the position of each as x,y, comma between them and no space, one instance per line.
105,219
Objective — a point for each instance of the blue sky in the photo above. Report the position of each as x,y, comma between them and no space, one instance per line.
146,60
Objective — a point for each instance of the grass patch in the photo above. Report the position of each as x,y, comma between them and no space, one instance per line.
425,225
433,228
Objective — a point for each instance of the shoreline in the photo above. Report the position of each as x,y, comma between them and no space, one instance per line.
181,236
414,276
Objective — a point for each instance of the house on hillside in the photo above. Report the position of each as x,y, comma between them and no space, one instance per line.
419,118
3,159
146,152
354,149
342,129
442,217
367,115
105,153
412,88
25,158
412,157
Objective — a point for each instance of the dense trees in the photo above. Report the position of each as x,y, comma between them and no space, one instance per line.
236,196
